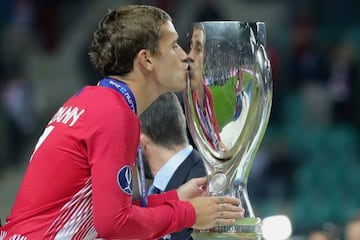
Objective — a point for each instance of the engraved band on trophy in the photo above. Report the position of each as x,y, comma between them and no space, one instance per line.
227,104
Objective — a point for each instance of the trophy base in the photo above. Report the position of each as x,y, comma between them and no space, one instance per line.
243,229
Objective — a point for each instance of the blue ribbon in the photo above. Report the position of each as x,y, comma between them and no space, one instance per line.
142,183
122,88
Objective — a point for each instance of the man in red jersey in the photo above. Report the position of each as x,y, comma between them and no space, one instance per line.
78,184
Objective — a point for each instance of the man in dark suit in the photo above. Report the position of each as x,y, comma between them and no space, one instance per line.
168,156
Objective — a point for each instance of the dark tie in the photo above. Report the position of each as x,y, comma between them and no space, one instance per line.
154,190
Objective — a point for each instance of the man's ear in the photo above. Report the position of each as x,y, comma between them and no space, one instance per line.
145,59
144,141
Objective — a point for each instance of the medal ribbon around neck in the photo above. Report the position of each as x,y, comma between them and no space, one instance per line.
126,92
122,88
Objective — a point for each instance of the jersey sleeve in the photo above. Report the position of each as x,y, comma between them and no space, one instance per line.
158,199
112,147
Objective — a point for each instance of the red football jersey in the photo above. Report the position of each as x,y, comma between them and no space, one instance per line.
78,184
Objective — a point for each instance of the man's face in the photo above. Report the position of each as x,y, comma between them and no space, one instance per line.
196,57
170,66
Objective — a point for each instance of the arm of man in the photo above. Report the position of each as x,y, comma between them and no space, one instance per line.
112,151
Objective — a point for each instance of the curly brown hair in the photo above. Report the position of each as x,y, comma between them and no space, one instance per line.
122,33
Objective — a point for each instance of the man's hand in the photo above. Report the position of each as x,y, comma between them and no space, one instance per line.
214,211
194,188
210,211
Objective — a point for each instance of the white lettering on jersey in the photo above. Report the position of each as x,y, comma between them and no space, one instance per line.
67,114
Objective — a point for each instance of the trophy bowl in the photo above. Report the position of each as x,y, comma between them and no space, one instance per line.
227,106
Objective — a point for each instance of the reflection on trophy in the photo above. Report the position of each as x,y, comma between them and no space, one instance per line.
227,102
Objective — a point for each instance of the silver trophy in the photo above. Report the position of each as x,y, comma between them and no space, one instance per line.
227,104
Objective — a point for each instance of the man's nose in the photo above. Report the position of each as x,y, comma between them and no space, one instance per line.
190,56
182,54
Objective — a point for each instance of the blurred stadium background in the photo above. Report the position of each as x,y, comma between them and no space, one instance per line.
308,164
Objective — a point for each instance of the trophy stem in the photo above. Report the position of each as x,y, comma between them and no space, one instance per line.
242,194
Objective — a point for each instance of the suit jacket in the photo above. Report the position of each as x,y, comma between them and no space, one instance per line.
192,167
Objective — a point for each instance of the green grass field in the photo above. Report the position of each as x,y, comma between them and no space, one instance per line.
224,99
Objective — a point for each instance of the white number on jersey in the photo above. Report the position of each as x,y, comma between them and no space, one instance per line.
42,138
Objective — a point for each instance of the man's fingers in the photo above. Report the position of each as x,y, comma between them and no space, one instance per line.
227,211
229,200
216,211
200,181
229,207
226,217
230,213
